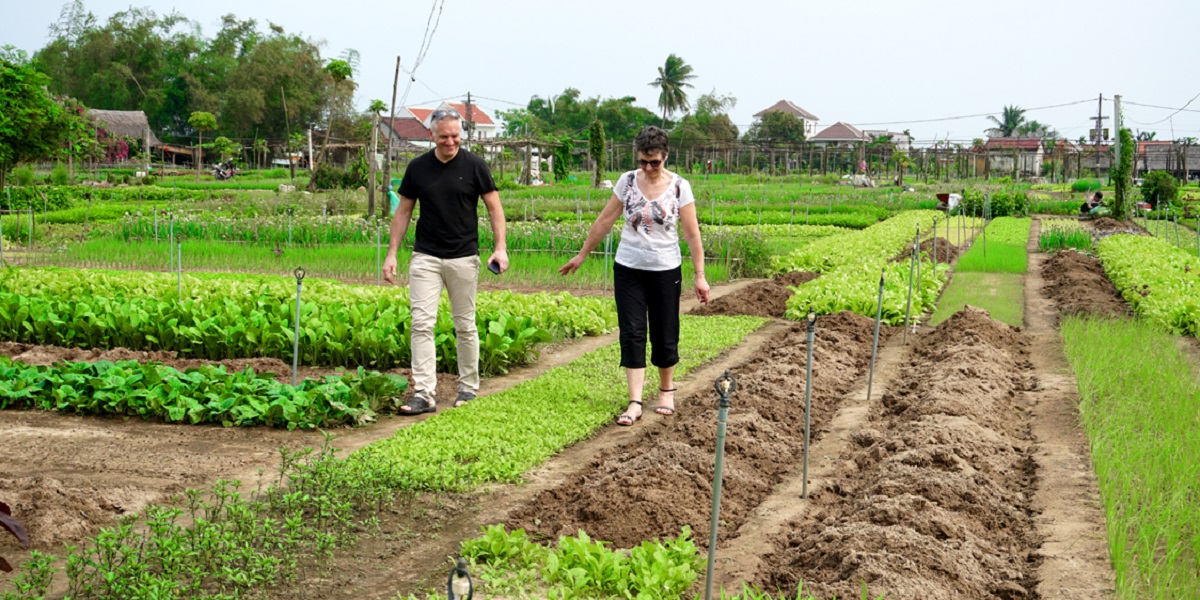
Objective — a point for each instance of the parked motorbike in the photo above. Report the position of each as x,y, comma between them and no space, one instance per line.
223,171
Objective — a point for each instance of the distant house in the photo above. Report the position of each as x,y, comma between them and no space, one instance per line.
787,106
126,124
839,135
1027,152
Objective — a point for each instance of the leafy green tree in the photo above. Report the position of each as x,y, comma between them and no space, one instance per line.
260,151
32,124
902,161
562,159
1146,136
596,147
224,147
672,78
776,128
708,124
1122,203
1159,186
201,122
1010,121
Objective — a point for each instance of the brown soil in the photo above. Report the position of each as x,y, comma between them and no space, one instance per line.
760,299
927,247
935,500
663,482
1110,224
1077,284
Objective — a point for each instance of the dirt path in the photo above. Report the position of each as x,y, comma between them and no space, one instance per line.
1066,502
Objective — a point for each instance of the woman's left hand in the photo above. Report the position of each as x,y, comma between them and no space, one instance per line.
702,289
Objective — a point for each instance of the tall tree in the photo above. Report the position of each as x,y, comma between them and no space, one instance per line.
672,78
1009,122
1122,203
201,122
376,108
32,123
596,149
339,72
776,128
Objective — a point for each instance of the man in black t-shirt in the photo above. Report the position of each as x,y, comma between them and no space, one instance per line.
448,182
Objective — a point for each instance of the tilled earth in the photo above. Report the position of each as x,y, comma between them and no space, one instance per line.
763,299
664,482
934,502
1077,284
946,252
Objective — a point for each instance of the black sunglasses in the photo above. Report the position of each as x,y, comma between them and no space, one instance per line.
653,163
440,114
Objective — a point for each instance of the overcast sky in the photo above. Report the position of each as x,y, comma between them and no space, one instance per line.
859,61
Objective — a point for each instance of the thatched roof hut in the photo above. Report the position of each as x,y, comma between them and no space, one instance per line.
126,123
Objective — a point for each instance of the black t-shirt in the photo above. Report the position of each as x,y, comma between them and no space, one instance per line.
449,197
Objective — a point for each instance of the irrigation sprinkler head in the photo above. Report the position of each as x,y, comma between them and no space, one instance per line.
725,384
458,583
299,274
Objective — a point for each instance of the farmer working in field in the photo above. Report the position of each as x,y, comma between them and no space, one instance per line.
647,273
448,182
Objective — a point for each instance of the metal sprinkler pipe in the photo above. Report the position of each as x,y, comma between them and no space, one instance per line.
724,385
812,319
179,271
875,344
911,267
299,274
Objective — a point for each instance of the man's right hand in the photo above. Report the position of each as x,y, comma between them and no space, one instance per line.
389,269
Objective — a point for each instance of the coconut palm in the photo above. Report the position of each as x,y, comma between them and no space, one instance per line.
672,78
1009,122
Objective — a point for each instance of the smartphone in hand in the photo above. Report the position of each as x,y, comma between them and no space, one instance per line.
494,267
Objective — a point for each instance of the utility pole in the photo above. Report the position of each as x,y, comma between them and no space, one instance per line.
1117,127
387,159
1098,132
470,120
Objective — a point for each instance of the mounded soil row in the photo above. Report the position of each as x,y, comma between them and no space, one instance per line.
766,299
946,252
935,500
655,487
1078,285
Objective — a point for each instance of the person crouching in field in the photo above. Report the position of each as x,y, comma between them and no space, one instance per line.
647,270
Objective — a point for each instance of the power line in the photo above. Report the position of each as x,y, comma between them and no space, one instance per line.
1177,110
991,114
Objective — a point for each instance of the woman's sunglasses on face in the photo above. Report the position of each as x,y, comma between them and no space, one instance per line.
651,163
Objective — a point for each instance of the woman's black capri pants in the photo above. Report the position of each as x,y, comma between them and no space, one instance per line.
648,300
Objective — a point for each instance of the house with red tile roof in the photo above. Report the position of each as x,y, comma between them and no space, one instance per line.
787,106
839,135
1027,152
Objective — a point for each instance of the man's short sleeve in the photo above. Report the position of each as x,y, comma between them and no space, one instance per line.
483,177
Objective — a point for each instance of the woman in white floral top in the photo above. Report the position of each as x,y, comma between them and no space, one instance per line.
647,274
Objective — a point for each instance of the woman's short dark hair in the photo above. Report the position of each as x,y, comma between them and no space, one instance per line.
651,139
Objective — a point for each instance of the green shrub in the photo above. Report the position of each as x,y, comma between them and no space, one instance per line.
60,176
328,177
149,180
1159,186
22,176
1003,203
1086,185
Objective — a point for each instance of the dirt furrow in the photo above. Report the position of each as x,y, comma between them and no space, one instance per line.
933,501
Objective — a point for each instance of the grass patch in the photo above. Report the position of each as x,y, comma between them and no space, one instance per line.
486,441
1000,248
1139,404
1060,234
1001,294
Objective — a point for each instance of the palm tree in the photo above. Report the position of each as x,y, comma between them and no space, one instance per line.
1146,136
1010,120
339,71
672,78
